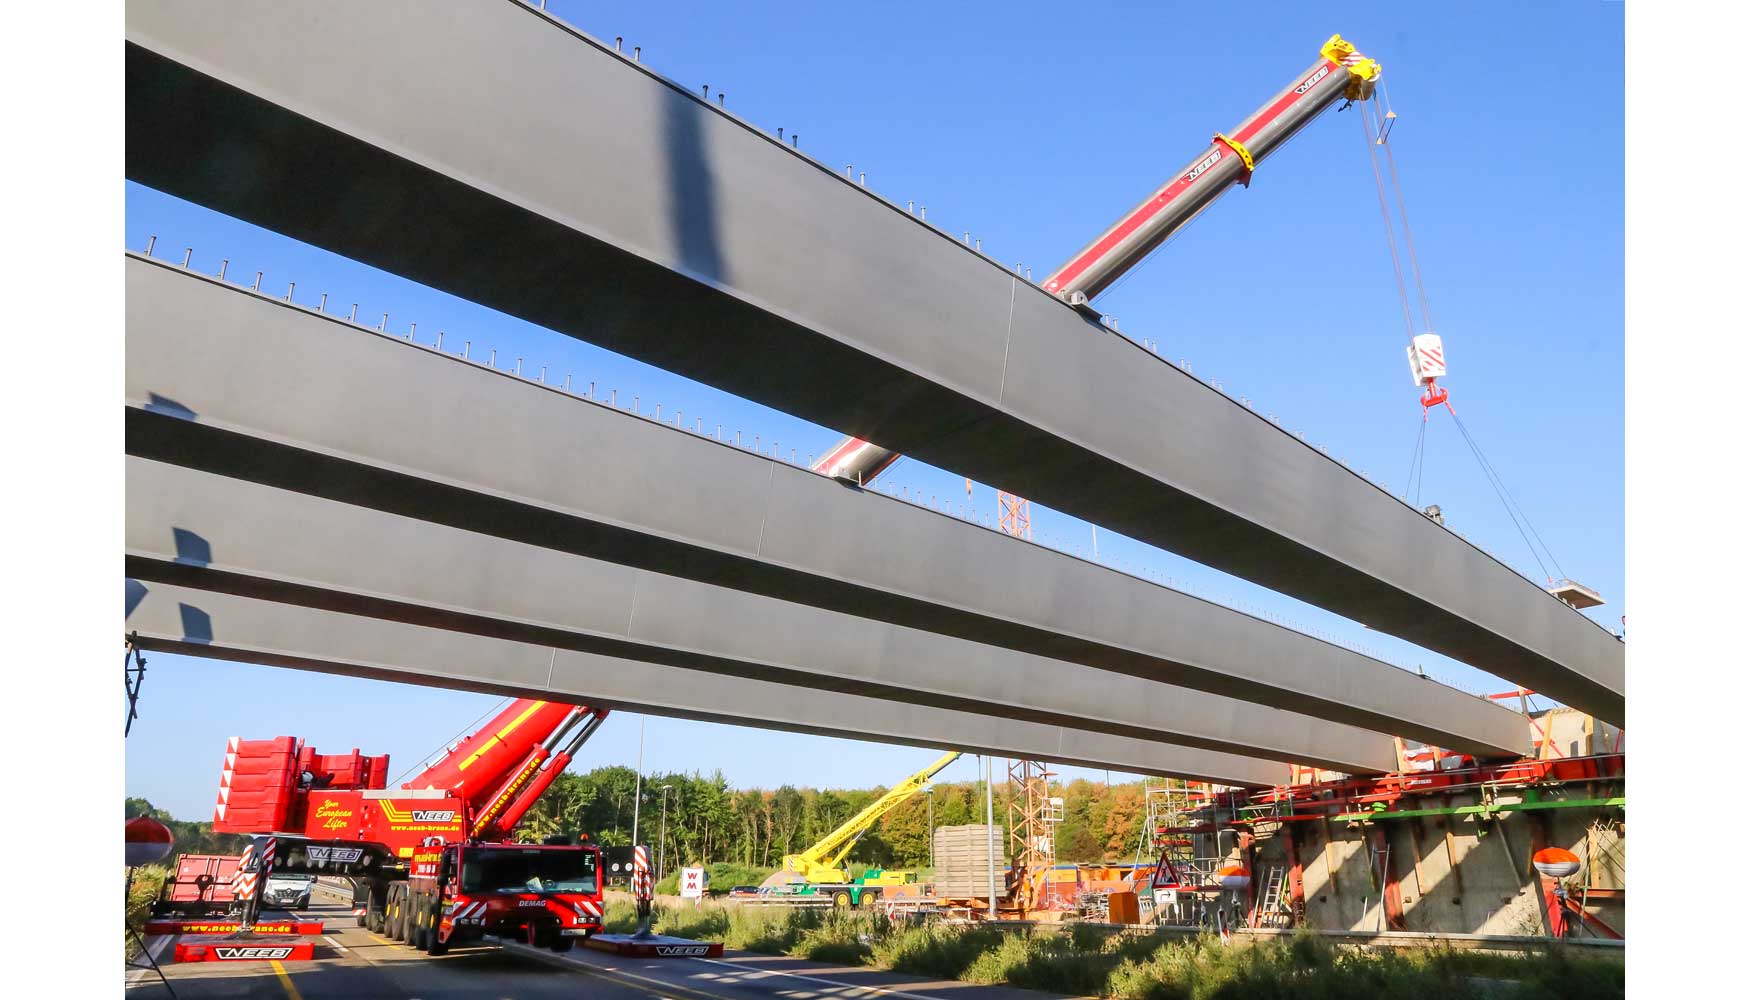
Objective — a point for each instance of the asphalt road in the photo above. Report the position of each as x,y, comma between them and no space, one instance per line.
354,963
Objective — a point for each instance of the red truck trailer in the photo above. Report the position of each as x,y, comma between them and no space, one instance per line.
200,886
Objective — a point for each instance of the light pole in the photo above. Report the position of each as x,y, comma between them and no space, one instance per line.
990,839
638,786
662,838
930,797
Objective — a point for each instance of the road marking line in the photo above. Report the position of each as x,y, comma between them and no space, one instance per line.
608,972
286,980
337,944
901,994
154,950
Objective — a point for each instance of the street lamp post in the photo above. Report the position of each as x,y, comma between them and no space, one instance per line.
990,839
638,786
662,838
930,797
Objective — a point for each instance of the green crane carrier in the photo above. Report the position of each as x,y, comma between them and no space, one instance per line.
819,870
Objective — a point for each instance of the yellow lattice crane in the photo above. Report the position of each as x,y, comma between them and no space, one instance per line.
822,863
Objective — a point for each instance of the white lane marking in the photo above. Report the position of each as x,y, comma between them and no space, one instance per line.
747,974
330,939
155,949
756,973
604,971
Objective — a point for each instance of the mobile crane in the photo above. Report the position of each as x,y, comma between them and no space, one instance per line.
1229,159
819,871
431,862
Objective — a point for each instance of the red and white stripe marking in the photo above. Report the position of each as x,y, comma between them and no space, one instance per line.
642,885
461,913
225,779
1430,356
588,908
240,878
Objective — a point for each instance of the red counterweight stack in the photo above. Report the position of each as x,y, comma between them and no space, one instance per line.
257,785
343,771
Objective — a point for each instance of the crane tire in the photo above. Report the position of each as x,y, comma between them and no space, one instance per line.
398,912
433,946
419,915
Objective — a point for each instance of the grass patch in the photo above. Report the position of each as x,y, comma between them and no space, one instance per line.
148,882
722,877
1088,961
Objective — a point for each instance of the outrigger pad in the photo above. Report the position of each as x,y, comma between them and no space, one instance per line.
258,948
655,946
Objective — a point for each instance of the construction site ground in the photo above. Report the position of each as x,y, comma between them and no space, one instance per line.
353,962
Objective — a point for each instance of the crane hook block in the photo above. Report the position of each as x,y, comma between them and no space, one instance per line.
1244,154
1363,72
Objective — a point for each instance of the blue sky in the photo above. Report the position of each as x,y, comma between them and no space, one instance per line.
1034,133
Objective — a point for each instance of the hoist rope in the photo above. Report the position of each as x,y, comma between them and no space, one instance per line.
1404,216
1375,135
1391,239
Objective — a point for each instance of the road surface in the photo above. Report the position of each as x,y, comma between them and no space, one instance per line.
352,962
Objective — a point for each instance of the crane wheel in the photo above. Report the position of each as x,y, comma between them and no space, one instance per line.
434,918
841,900
432,915
398,912
421,917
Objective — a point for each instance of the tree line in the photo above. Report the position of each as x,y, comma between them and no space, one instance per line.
709,822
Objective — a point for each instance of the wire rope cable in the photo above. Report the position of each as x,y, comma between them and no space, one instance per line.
1415,460
422,762
1391,239
1404,217
1495,479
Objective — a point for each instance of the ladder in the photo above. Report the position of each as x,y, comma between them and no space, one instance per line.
1273,908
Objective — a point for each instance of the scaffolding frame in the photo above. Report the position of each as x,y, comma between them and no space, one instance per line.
1033,816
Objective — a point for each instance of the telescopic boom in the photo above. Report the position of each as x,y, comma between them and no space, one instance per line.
1229,159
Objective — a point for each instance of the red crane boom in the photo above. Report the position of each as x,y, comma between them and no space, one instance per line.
1229,159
